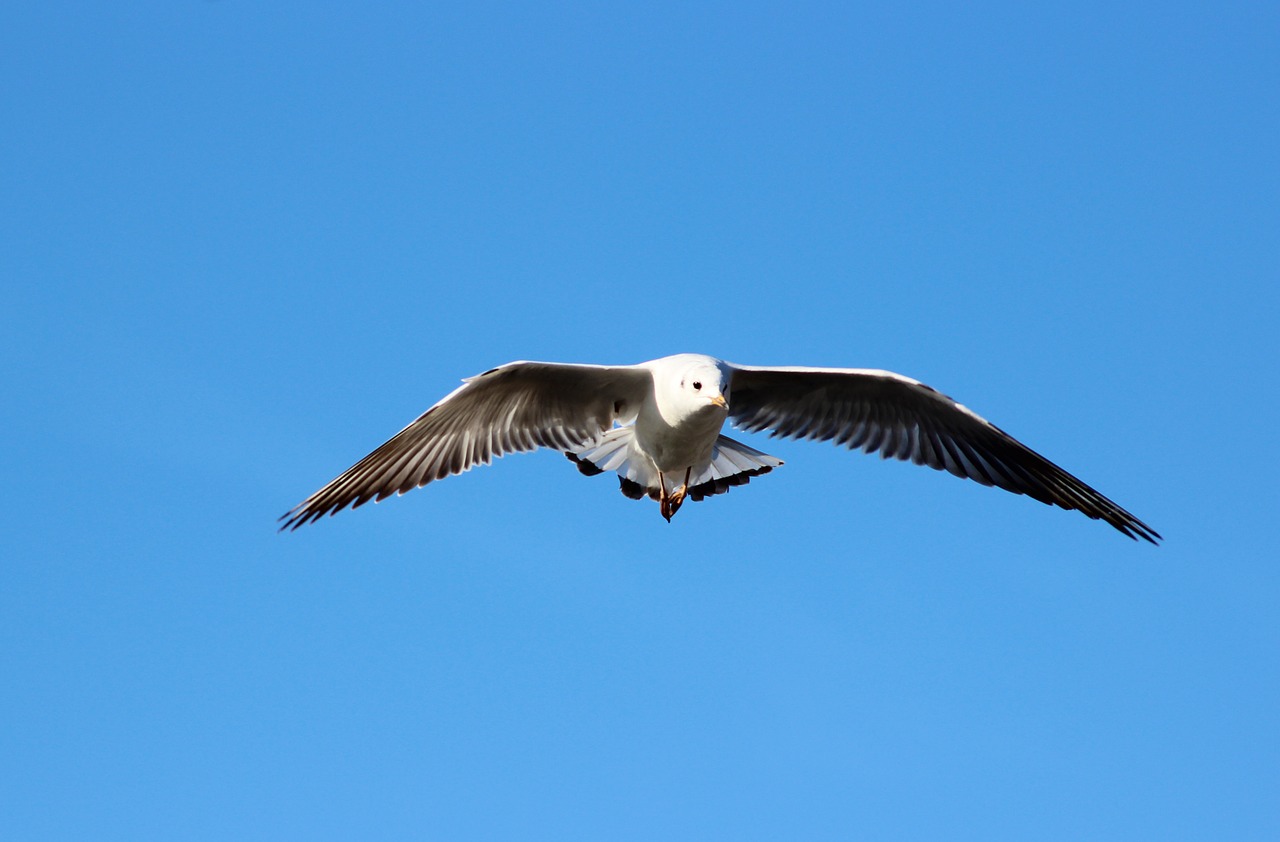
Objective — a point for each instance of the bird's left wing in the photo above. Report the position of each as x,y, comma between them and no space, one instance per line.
515,407
904,419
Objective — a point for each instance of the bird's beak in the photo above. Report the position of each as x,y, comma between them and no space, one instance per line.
719,401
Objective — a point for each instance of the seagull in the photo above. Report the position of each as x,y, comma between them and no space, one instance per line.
657,426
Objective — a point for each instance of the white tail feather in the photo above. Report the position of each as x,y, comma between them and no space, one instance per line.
732,463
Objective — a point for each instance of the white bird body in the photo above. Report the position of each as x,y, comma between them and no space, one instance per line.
657,426
679,427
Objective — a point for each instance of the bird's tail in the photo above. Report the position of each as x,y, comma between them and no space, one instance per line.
732,463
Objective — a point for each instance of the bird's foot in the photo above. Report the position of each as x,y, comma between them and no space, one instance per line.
671,503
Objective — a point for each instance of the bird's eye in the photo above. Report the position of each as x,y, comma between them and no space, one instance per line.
697,386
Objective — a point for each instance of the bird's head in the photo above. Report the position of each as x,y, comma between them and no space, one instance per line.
706,383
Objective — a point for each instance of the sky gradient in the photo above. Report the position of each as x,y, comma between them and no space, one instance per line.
243,245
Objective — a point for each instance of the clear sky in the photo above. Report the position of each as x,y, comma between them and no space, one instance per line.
244,243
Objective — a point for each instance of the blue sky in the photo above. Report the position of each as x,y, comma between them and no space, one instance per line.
243,244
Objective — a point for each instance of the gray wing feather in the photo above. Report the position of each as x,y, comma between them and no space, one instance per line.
516,407
901,418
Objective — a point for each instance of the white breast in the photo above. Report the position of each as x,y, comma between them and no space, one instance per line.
678,430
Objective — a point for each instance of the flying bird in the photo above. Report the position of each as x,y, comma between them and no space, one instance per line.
657,426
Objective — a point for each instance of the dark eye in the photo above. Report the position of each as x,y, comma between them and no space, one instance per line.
697,386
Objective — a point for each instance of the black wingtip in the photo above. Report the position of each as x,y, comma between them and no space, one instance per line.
1147,534
296,517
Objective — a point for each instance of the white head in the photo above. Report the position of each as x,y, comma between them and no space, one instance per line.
694,383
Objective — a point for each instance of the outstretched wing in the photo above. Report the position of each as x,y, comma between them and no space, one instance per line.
515,407
904,419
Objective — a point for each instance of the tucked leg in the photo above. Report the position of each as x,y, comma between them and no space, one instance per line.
664,501
676,498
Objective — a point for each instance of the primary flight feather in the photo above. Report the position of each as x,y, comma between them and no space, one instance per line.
657,425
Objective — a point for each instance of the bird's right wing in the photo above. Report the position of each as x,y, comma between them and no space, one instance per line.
515,407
